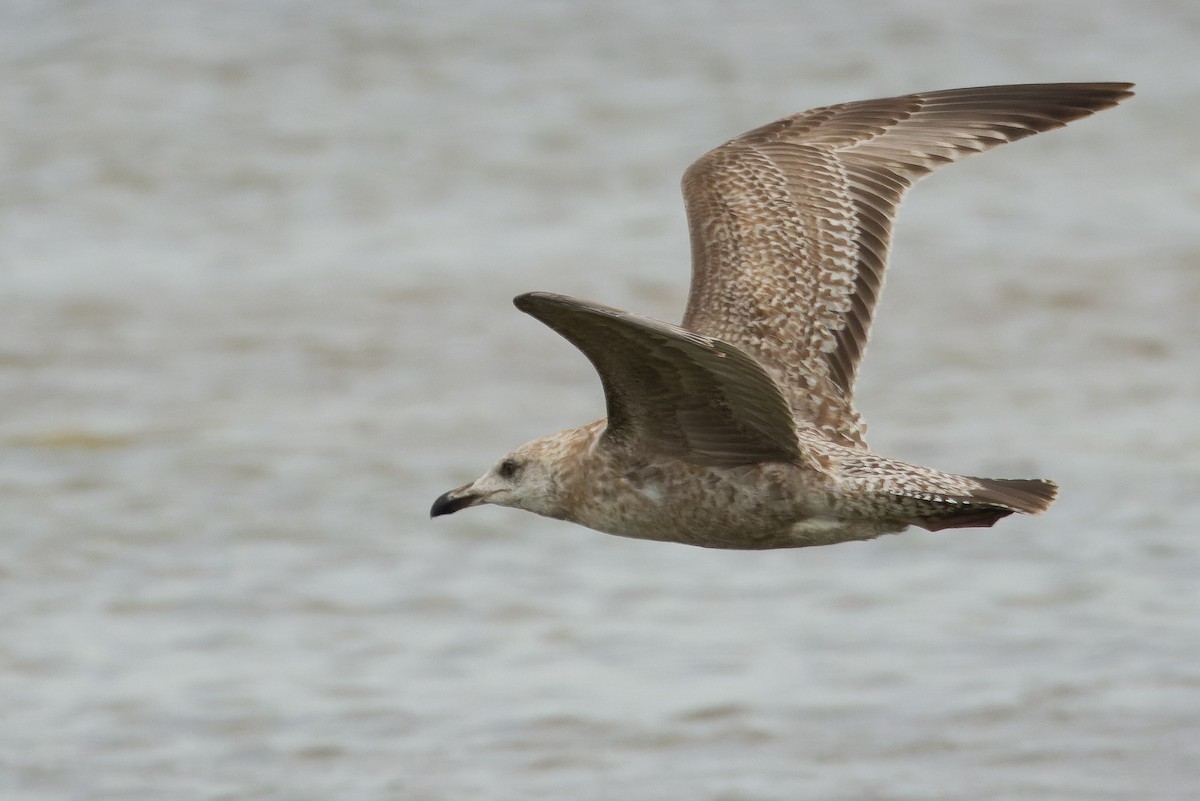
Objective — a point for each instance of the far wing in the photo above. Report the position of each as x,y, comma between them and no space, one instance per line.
791,223
672,391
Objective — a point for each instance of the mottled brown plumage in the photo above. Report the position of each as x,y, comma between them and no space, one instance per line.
792,223
738,429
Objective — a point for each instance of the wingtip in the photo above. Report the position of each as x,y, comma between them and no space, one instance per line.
1115,91
527,301
1119,90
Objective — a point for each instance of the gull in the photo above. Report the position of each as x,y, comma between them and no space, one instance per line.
736,429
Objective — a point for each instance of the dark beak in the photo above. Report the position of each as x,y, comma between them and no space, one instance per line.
454,500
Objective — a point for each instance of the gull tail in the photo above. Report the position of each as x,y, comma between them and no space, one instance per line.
987,502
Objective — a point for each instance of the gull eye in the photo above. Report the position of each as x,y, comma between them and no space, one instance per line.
509,469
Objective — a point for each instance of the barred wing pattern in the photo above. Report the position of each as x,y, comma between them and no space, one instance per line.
791,224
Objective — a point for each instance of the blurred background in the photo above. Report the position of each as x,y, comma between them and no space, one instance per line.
256,262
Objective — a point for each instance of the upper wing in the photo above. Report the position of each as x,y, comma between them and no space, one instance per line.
791,223
671,390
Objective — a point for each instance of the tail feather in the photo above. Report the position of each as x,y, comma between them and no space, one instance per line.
1028,495
995,498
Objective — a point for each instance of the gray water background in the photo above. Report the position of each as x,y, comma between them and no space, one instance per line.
255,270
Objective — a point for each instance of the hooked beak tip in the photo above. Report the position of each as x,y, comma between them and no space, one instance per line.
450,502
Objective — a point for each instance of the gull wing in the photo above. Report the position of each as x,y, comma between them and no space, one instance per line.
672,391
791,224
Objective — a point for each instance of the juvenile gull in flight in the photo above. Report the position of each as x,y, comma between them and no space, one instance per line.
737,428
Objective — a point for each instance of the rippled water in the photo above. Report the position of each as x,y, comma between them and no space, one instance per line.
255,270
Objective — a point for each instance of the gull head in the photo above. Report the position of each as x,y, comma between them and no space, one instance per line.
529,478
